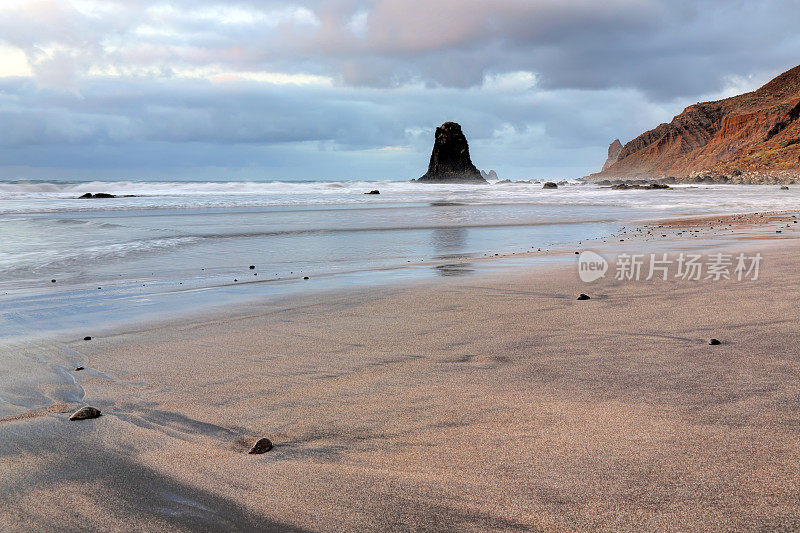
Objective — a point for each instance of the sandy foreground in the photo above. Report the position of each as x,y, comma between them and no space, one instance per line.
484,402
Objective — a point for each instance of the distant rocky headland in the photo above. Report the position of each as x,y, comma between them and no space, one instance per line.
450,161
750,138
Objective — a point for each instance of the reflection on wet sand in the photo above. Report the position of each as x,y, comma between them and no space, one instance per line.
454,269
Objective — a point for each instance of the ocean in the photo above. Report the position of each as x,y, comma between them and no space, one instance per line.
186,247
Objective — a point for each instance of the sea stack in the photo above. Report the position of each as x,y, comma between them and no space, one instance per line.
613,153
450,162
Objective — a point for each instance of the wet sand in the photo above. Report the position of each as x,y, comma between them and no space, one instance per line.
485,402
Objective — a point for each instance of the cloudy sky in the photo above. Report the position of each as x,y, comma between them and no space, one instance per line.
343,89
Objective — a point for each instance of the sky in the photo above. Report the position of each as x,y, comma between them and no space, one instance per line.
354,89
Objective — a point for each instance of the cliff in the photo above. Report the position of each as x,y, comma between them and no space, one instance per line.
750,138
450,161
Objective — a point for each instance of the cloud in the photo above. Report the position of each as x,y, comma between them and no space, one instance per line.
539,85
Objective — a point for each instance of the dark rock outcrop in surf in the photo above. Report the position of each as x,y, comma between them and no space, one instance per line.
450,161
104,195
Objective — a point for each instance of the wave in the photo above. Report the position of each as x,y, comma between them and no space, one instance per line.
36,261
175,188
38,197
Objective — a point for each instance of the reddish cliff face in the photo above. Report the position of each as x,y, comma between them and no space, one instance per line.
750,138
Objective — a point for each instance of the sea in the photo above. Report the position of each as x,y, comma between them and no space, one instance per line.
71,266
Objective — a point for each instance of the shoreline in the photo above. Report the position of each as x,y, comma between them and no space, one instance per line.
436,269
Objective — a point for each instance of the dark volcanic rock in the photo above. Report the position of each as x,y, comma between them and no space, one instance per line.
105,195
626,186
262,445
584,296
450,161
98,195
550,185
85,413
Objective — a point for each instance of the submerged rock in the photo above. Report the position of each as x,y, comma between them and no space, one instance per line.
85,413
262,445
104,195
450,161
375,191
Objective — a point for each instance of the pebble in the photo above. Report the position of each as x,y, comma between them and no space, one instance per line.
584,297
714,342
78,368
252,267
52,281
262,445
87,338
305,277
85,413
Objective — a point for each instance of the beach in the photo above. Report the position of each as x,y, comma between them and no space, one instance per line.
490,401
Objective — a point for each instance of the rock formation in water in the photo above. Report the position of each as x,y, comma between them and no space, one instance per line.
492,175
450,161
613,153
750,138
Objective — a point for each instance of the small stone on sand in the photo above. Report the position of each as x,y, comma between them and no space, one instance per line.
85,413
714,342
262,445
87,338
584,297
78,368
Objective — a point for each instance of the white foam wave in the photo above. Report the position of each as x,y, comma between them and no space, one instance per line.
42,260
44,197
